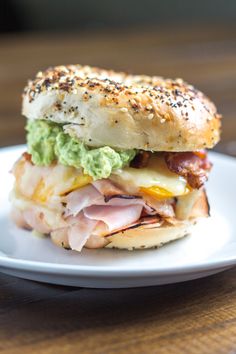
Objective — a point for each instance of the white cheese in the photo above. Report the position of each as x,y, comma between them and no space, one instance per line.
155,174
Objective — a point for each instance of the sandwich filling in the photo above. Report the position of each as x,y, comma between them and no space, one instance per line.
83,195
47,143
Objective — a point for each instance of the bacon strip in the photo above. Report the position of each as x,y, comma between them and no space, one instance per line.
27,156
189,165
141,159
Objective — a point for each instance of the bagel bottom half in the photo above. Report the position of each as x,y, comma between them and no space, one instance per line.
151,236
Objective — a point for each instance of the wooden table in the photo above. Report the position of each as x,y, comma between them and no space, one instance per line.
194,317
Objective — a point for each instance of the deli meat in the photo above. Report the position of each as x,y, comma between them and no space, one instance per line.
79,232
115,217
192,166
87,196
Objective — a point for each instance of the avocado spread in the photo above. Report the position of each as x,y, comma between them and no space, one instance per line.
47,142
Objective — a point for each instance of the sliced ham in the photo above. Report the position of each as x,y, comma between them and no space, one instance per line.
97,239
101,229
87,196
114,217
79,233
125,200
163,208
18,218
78,236
106,187
60,237
147,220
36,220
81,198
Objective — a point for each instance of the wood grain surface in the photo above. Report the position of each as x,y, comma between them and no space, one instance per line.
193,317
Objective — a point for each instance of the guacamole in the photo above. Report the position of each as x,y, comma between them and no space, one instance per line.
47,142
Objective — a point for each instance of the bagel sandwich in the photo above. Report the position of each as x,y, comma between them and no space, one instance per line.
113,160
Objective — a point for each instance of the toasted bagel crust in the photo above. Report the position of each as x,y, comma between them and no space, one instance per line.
123,111
148,237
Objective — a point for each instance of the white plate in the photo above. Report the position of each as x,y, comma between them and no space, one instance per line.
210,249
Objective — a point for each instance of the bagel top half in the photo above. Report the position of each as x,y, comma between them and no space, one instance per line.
123,111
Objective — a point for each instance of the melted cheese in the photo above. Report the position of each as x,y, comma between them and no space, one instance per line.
42,183
147,179
52,213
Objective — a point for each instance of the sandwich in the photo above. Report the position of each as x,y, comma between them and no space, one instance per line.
113,160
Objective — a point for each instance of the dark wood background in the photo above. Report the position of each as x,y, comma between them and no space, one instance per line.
194,317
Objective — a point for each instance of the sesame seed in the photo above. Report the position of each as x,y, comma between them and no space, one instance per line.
150,116
167,116
133,102
179,81
84,79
